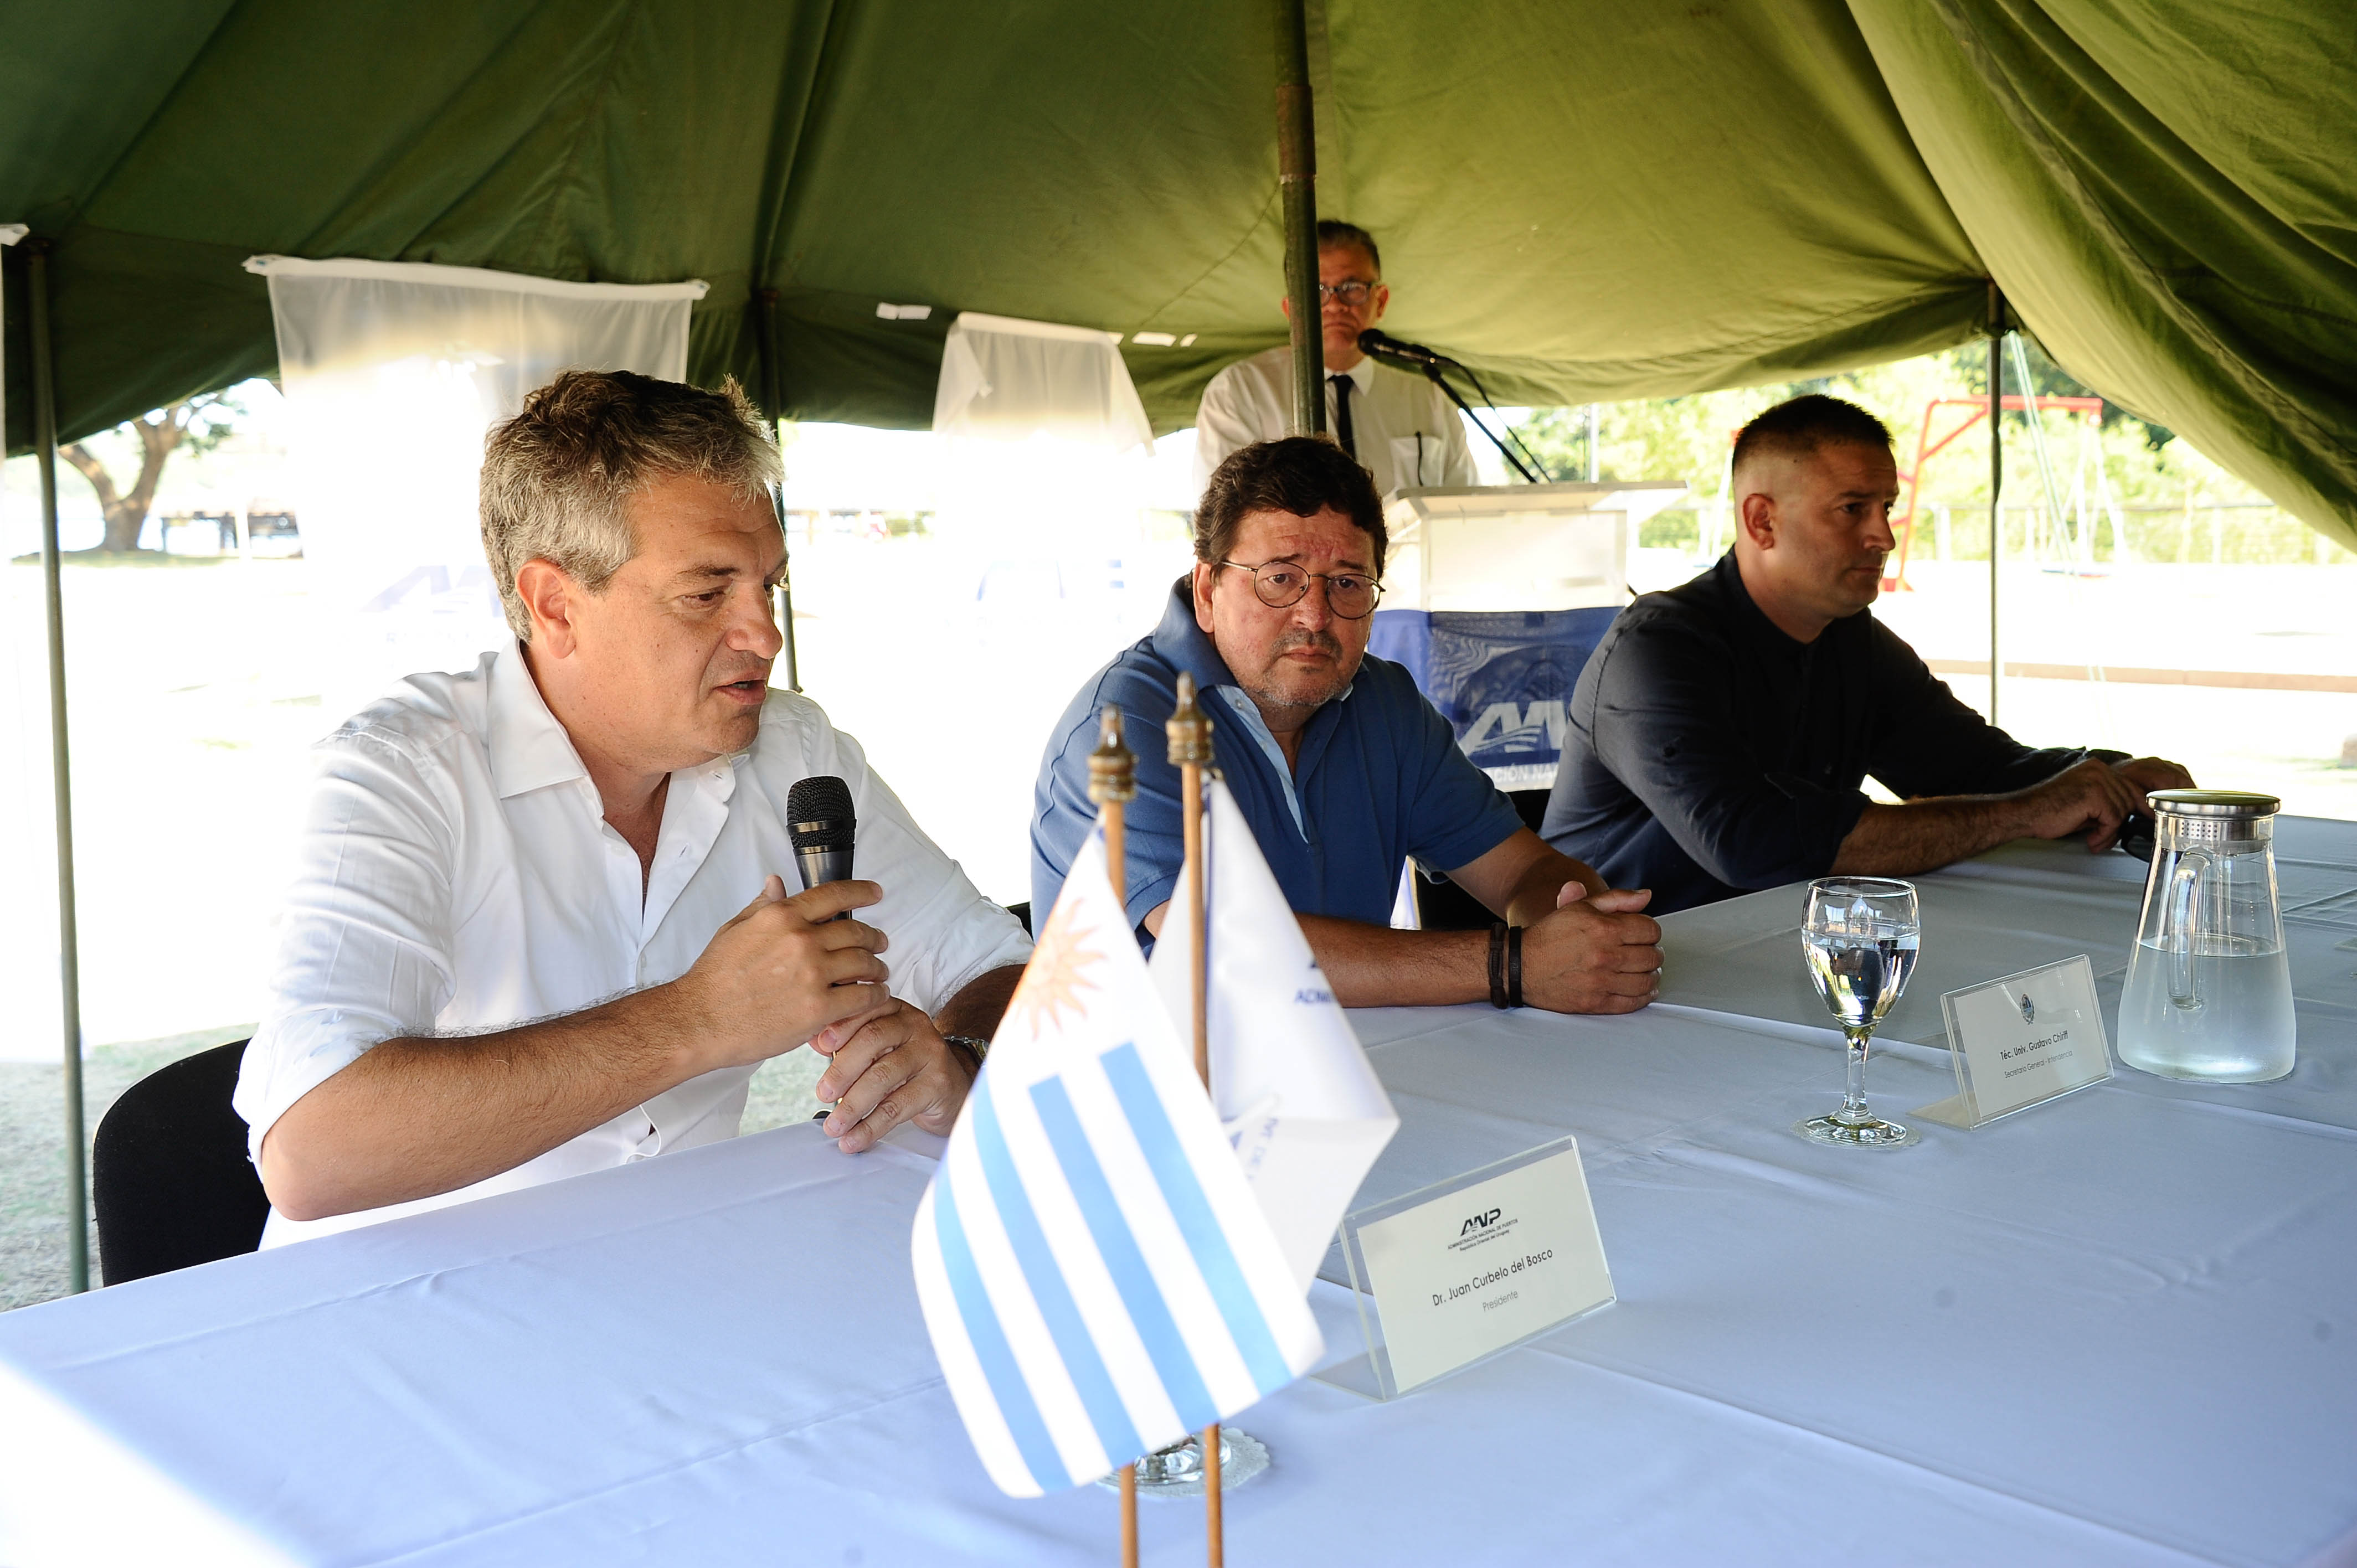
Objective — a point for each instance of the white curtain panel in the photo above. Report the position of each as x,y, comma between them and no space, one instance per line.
1010,380
1043,443
1041,564
393,373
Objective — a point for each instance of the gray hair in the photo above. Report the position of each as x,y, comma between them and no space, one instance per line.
555,478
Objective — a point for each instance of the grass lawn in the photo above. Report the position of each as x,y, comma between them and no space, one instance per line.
33,1262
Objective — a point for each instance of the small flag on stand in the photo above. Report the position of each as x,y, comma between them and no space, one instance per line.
1095,1274
1292,1084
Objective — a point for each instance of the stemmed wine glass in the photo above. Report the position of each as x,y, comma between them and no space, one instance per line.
1860,936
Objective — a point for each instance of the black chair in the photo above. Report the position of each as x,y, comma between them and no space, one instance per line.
1443,906
170,1181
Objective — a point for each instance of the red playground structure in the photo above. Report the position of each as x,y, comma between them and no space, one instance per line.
1975,409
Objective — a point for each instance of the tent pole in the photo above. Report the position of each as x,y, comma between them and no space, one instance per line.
45,449
1296,185
784,609
1997,482
765,303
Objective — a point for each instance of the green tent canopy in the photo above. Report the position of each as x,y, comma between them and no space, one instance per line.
1584,201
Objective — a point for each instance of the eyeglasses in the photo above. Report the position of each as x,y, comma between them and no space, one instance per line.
1281,584
1350,293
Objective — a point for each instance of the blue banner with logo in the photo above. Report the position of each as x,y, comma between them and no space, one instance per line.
1503,678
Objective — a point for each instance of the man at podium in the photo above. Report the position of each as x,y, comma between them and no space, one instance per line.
1339,763
1400,427
1718,735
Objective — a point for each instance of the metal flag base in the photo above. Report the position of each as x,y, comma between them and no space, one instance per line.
1177,1471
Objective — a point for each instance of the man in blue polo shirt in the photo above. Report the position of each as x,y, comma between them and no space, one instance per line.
1342,767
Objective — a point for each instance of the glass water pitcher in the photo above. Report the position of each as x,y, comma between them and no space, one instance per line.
2209,989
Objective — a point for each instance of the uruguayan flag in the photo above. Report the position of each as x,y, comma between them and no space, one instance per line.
1305,1111
1095,1274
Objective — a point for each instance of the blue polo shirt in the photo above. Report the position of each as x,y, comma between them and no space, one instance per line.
1381,780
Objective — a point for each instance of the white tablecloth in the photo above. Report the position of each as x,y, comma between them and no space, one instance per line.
2119,1329
2033,903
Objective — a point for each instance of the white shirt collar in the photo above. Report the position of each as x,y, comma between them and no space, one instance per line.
1362,375
529,747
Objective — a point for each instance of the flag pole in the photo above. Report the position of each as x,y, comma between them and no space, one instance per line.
1112,784
1191,751
1190,730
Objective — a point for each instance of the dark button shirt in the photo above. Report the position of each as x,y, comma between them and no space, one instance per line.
1380,779
1708,754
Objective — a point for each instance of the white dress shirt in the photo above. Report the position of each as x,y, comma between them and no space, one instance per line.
455,873
1407,433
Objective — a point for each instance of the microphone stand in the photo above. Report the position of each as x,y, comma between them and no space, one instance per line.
1504,450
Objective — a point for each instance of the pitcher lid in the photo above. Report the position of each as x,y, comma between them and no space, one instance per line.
2214,802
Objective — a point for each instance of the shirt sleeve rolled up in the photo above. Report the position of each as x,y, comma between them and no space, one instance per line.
365,941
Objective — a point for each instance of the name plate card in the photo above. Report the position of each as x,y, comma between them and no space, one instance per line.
1472,1266
2020,1040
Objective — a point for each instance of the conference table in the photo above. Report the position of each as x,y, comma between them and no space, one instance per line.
2120,1328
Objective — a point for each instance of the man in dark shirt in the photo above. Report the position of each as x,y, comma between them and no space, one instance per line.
1719,733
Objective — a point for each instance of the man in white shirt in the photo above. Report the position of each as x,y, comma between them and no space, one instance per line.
537,926
1400,427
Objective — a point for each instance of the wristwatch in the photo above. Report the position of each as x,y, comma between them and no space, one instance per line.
975,1047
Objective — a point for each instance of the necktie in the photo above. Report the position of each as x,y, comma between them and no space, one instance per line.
1341,385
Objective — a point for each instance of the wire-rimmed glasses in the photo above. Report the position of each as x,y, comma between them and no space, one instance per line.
1860,936
1350,291
1281,584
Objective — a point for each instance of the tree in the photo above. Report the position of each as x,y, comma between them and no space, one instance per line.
1687,438
195,425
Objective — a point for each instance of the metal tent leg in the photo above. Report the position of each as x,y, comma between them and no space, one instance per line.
45,443
1296,184
1997,484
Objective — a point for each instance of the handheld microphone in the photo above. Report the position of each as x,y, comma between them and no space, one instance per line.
1383,345
820,819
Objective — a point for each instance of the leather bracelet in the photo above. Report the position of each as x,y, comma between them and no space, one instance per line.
1515,966
1498,966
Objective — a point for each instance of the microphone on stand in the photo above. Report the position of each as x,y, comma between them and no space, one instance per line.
821,823
1378,344
1381,345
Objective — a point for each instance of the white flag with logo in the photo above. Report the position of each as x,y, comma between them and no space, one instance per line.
1096,1277
1292,1083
